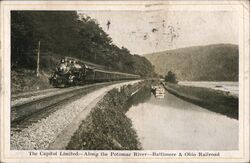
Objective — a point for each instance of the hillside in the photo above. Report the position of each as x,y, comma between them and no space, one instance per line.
218,62
65,33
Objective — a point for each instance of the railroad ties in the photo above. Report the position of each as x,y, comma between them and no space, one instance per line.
30,112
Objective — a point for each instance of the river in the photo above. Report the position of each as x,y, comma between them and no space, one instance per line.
171,123
225,86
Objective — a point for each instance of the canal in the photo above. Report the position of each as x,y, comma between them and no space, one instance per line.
171,123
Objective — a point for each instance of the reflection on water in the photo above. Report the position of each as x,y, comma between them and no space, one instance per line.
141,96
173,124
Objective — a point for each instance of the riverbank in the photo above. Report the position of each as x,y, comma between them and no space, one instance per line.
107,127
214,100
229,87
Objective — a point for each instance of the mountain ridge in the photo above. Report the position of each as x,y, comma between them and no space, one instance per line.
213,62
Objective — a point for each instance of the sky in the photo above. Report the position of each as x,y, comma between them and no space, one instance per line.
145,32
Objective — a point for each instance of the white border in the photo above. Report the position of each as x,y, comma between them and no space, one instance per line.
241,7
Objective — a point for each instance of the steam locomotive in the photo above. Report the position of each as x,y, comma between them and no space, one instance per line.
71,71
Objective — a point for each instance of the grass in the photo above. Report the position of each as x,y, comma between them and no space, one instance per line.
214,100
107,127
23,80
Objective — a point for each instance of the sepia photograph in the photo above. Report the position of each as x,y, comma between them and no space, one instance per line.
107,80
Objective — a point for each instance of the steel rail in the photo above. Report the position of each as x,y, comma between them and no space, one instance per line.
30,112
33,93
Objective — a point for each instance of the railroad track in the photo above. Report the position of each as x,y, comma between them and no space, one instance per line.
28,113
33,93
19,99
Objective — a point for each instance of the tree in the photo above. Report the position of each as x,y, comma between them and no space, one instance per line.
66,33
171,77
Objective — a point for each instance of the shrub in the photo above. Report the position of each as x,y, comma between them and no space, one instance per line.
171,77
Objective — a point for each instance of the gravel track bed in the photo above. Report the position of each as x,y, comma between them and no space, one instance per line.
39,135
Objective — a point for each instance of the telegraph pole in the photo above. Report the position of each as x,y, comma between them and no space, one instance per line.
38,59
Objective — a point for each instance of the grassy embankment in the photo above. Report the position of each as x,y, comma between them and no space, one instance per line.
214,100
107,127
24,80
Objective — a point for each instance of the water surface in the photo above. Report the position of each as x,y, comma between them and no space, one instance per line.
173,124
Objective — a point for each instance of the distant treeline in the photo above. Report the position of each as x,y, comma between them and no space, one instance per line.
64,33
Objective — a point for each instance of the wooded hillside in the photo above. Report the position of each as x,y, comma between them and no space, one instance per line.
63,33
217,62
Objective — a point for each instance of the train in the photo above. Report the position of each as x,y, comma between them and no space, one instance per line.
71,72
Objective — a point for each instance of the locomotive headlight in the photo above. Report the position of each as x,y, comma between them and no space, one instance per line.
61,68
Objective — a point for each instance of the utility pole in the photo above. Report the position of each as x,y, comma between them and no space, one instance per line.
108,24
38,59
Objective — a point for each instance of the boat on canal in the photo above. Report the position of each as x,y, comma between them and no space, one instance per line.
158,91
